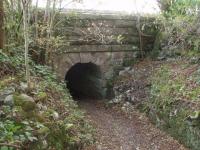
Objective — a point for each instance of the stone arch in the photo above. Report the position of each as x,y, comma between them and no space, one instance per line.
84,80
64,62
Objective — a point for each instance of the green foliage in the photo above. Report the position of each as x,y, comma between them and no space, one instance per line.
129,62
171,91
57,123
179,25
11,132
51,120
48,128
13,24
42,96
10,65
45,71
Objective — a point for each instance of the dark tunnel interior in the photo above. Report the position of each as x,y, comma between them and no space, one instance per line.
84,80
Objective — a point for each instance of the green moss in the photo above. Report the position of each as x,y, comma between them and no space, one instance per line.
42,96
24,102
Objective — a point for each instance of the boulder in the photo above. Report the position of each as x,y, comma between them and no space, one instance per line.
26,102
6,92
9,101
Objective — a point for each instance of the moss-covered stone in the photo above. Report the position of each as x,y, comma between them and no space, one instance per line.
42,96
26,102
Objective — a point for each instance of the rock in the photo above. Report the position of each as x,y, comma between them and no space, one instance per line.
123,108
26,102
133,100
160,58
128,95
99,147
2,114
6,92
9,101
127,69
23,86
29,103
26,97
44,144
55,115
198,31
41,107
122,73
118,99
126,106
194,60
131,71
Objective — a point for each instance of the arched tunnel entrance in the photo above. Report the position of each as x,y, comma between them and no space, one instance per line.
84,80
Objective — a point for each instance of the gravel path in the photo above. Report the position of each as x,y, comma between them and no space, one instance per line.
115,131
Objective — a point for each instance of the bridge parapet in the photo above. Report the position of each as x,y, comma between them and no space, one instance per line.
101,31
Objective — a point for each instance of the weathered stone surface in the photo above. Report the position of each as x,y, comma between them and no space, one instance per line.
98,48
6,92
104,30
104,39
23,86
26,102
9,101
55,115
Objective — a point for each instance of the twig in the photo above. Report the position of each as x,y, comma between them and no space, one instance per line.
10,145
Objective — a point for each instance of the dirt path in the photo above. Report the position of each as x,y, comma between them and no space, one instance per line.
115,131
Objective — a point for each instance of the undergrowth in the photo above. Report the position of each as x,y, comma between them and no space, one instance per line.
52,121
174,101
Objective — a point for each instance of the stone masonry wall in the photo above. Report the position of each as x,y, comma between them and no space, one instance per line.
104,39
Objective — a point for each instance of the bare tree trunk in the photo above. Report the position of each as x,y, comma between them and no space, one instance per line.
25,4
139,30
60,4
50,32
50,21
140,36
1,25
29,10
47,11
47,21
36,21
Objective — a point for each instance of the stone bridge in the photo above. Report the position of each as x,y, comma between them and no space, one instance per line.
95,43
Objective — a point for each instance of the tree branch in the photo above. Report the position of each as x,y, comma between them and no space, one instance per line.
10,145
